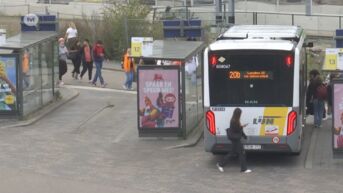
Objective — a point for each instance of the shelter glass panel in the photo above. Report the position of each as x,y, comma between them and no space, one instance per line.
32,95
47,79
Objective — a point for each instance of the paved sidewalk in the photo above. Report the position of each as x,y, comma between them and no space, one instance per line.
67,94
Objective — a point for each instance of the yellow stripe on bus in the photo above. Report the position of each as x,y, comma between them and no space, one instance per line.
274,116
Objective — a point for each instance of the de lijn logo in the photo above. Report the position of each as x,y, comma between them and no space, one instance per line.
31,19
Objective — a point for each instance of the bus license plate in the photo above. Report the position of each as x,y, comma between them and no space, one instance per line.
254,147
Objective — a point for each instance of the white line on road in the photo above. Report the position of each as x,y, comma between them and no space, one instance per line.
102,89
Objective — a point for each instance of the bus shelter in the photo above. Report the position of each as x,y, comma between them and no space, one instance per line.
169,86
28,73
333,65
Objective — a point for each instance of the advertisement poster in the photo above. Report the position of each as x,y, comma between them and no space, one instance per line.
338,116
141,46
7,83
158,92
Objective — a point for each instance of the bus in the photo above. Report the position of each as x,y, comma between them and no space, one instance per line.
262,70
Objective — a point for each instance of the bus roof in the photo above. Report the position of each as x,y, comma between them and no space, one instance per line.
262,31
252,44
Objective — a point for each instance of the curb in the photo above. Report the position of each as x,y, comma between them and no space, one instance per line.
193,140
309,155
45,110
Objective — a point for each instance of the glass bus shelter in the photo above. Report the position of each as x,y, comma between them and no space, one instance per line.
28,73
169,87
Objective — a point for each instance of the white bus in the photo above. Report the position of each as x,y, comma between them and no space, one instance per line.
262,70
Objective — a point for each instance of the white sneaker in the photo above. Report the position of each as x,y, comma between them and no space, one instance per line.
124,87
221,169
61,84
247,171
104,85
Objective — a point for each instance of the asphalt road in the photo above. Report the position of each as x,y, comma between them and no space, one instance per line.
91,144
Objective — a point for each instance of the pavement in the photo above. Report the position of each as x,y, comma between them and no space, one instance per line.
114,77
87,141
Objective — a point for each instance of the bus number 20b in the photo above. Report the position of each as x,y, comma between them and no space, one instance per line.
234,75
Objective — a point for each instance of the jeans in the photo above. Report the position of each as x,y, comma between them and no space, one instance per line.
237,149
98,66
318,110
129,79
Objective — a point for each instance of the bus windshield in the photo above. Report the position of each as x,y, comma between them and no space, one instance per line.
252,78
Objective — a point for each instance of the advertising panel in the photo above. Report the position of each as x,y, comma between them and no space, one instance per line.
158,97
8,82
337,116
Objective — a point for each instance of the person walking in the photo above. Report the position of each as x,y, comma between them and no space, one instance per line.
71,36
315,97
129,69
235,134
75,56
99,56
87,60
62,60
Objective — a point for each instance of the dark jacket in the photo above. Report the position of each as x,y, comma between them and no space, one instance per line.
235,132
312,89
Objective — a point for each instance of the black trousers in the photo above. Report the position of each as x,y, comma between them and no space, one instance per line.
87,66
237,149
77,63
62,68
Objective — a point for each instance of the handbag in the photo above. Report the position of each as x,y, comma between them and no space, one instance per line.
231,135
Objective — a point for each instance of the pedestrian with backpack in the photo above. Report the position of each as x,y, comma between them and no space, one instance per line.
317,93
99,56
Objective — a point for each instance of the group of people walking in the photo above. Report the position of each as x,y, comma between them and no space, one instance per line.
71,48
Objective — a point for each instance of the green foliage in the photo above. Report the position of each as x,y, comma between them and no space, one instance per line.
119,23
124,21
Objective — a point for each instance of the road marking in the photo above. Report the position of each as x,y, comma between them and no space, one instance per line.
102,89
93,116
121,135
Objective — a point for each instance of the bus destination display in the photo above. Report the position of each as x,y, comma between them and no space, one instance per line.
250,75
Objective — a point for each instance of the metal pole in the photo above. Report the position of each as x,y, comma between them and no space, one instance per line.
292,19
219,15
308,7
277,4
232,12
126,32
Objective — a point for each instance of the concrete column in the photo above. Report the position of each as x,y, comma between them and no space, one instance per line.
219,10
231,18
308,7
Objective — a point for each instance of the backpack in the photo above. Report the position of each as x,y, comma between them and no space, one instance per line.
322,92
98,51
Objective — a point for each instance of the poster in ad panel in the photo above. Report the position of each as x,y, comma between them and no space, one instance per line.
158,98
338,116
8,83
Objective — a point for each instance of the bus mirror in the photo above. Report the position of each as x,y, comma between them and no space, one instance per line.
308,45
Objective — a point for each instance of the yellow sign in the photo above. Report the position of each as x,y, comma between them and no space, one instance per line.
9,99
333,59
136,49
141,46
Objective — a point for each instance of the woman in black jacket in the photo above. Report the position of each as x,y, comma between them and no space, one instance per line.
235,134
